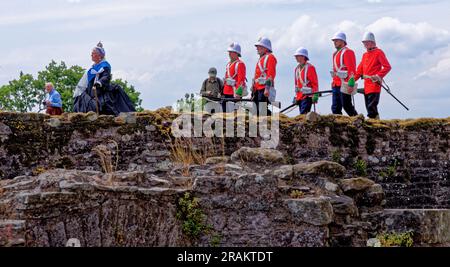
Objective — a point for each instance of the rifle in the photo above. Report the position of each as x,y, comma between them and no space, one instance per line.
359,90
234,100
297,103
222,99
387,88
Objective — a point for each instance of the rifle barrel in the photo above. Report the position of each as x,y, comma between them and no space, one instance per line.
291,106
320,92
389,92
227,99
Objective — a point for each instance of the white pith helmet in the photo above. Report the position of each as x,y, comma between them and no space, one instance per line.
264,42
369,36
235,47
302,52
340,36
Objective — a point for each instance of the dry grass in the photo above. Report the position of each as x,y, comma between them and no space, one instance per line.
297,194
39,170
221,169
106,157
185,152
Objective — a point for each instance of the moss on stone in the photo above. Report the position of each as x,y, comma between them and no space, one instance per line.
130,129
423,124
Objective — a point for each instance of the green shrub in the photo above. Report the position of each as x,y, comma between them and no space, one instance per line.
336,156
391,170
396,239
361,167
192,216
215,240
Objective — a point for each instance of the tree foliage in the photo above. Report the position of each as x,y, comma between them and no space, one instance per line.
21,94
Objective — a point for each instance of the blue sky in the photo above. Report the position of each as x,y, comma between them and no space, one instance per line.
165,47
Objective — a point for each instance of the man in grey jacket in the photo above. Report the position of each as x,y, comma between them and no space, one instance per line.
212,86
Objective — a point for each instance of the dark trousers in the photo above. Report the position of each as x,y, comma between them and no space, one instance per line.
372,101
258,98
305,105
340,101
227,106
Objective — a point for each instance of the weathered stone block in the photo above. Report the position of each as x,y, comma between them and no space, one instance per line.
344,205
258,155
284,172
217,160
321,168
315,211
355,184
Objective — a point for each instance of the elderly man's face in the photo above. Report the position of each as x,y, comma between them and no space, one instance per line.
48,88
96,57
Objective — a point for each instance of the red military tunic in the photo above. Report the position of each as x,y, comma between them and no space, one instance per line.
235,70
266,65
344,60
374,62
306,77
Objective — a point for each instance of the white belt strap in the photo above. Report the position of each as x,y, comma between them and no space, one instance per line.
261,68
341,59
304,80
236,68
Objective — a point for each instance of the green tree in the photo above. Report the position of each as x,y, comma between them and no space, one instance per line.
26,93
21,95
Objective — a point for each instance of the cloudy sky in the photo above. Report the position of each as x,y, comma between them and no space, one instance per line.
165,47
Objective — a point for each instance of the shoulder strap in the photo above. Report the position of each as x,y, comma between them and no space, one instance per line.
297,72
304,79
236,67
264,67
341,59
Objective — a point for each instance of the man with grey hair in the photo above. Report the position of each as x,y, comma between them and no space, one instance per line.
53,101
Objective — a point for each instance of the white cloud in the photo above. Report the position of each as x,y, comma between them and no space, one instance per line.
409,39
304,31
440,70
